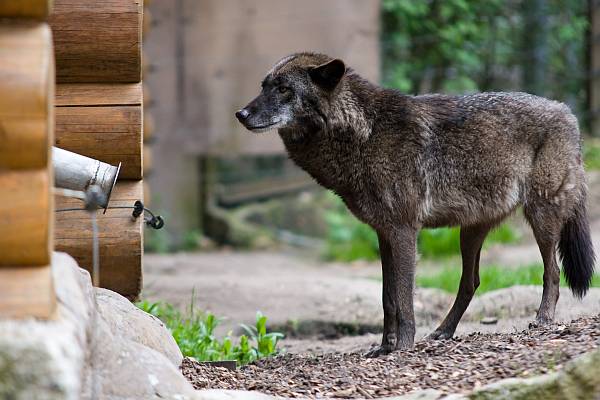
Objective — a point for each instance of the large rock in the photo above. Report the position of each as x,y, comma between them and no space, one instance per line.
129,322
123,369
109,350
44,359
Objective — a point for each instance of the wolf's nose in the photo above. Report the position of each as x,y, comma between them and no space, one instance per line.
242,115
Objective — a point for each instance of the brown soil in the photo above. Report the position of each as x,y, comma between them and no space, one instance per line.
456,365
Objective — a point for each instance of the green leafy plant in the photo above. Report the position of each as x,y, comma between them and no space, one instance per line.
266,342
195,335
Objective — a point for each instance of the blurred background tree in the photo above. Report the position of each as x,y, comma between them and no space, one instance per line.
461,46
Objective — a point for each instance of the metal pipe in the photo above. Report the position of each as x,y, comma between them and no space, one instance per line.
76,172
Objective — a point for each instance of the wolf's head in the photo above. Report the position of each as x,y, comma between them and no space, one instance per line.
296,94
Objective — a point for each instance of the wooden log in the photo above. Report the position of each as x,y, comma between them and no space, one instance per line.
27,292
102,121
26,94
37,9
120,239
97,41
102,94
26,219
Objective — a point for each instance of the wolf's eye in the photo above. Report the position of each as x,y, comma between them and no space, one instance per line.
283,89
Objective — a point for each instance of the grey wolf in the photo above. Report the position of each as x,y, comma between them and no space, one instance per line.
401,163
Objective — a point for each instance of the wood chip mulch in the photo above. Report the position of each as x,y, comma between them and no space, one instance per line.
456,365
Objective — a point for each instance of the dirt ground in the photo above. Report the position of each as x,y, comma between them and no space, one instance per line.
319,305
450,366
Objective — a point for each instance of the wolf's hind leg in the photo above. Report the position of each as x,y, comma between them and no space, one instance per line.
471,240
546,222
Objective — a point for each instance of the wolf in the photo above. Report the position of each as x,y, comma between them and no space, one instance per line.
401,163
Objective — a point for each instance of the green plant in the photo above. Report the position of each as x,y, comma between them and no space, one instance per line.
195,334
156,241
348,239
266,343
191,240
491,278
591,154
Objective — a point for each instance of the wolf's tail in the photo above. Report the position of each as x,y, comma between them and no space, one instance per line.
576,251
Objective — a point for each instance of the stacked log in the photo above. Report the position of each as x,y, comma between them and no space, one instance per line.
102,121
97,41
99,114
34,9
119,237
26,132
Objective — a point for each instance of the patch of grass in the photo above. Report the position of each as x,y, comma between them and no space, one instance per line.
349,239
191,240
591,153
194,333
491,277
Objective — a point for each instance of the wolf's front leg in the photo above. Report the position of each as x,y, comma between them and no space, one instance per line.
398,249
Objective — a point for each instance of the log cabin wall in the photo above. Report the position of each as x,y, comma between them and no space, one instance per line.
26,131
99,113
207,59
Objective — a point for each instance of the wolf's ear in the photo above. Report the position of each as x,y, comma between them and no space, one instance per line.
329,74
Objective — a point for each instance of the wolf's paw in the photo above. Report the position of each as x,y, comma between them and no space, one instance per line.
378,351
540,321
439,335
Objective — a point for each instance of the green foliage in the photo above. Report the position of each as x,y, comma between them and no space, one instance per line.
426,39
266,342
348,239
191,240
591,154
492,278
443,242
458,46
156,241
439,242
195,335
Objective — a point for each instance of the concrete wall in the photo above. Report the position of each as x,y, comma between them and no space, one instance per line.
207,58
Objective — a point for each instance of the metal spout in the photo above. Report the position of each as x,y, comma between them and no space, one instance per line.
76,172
